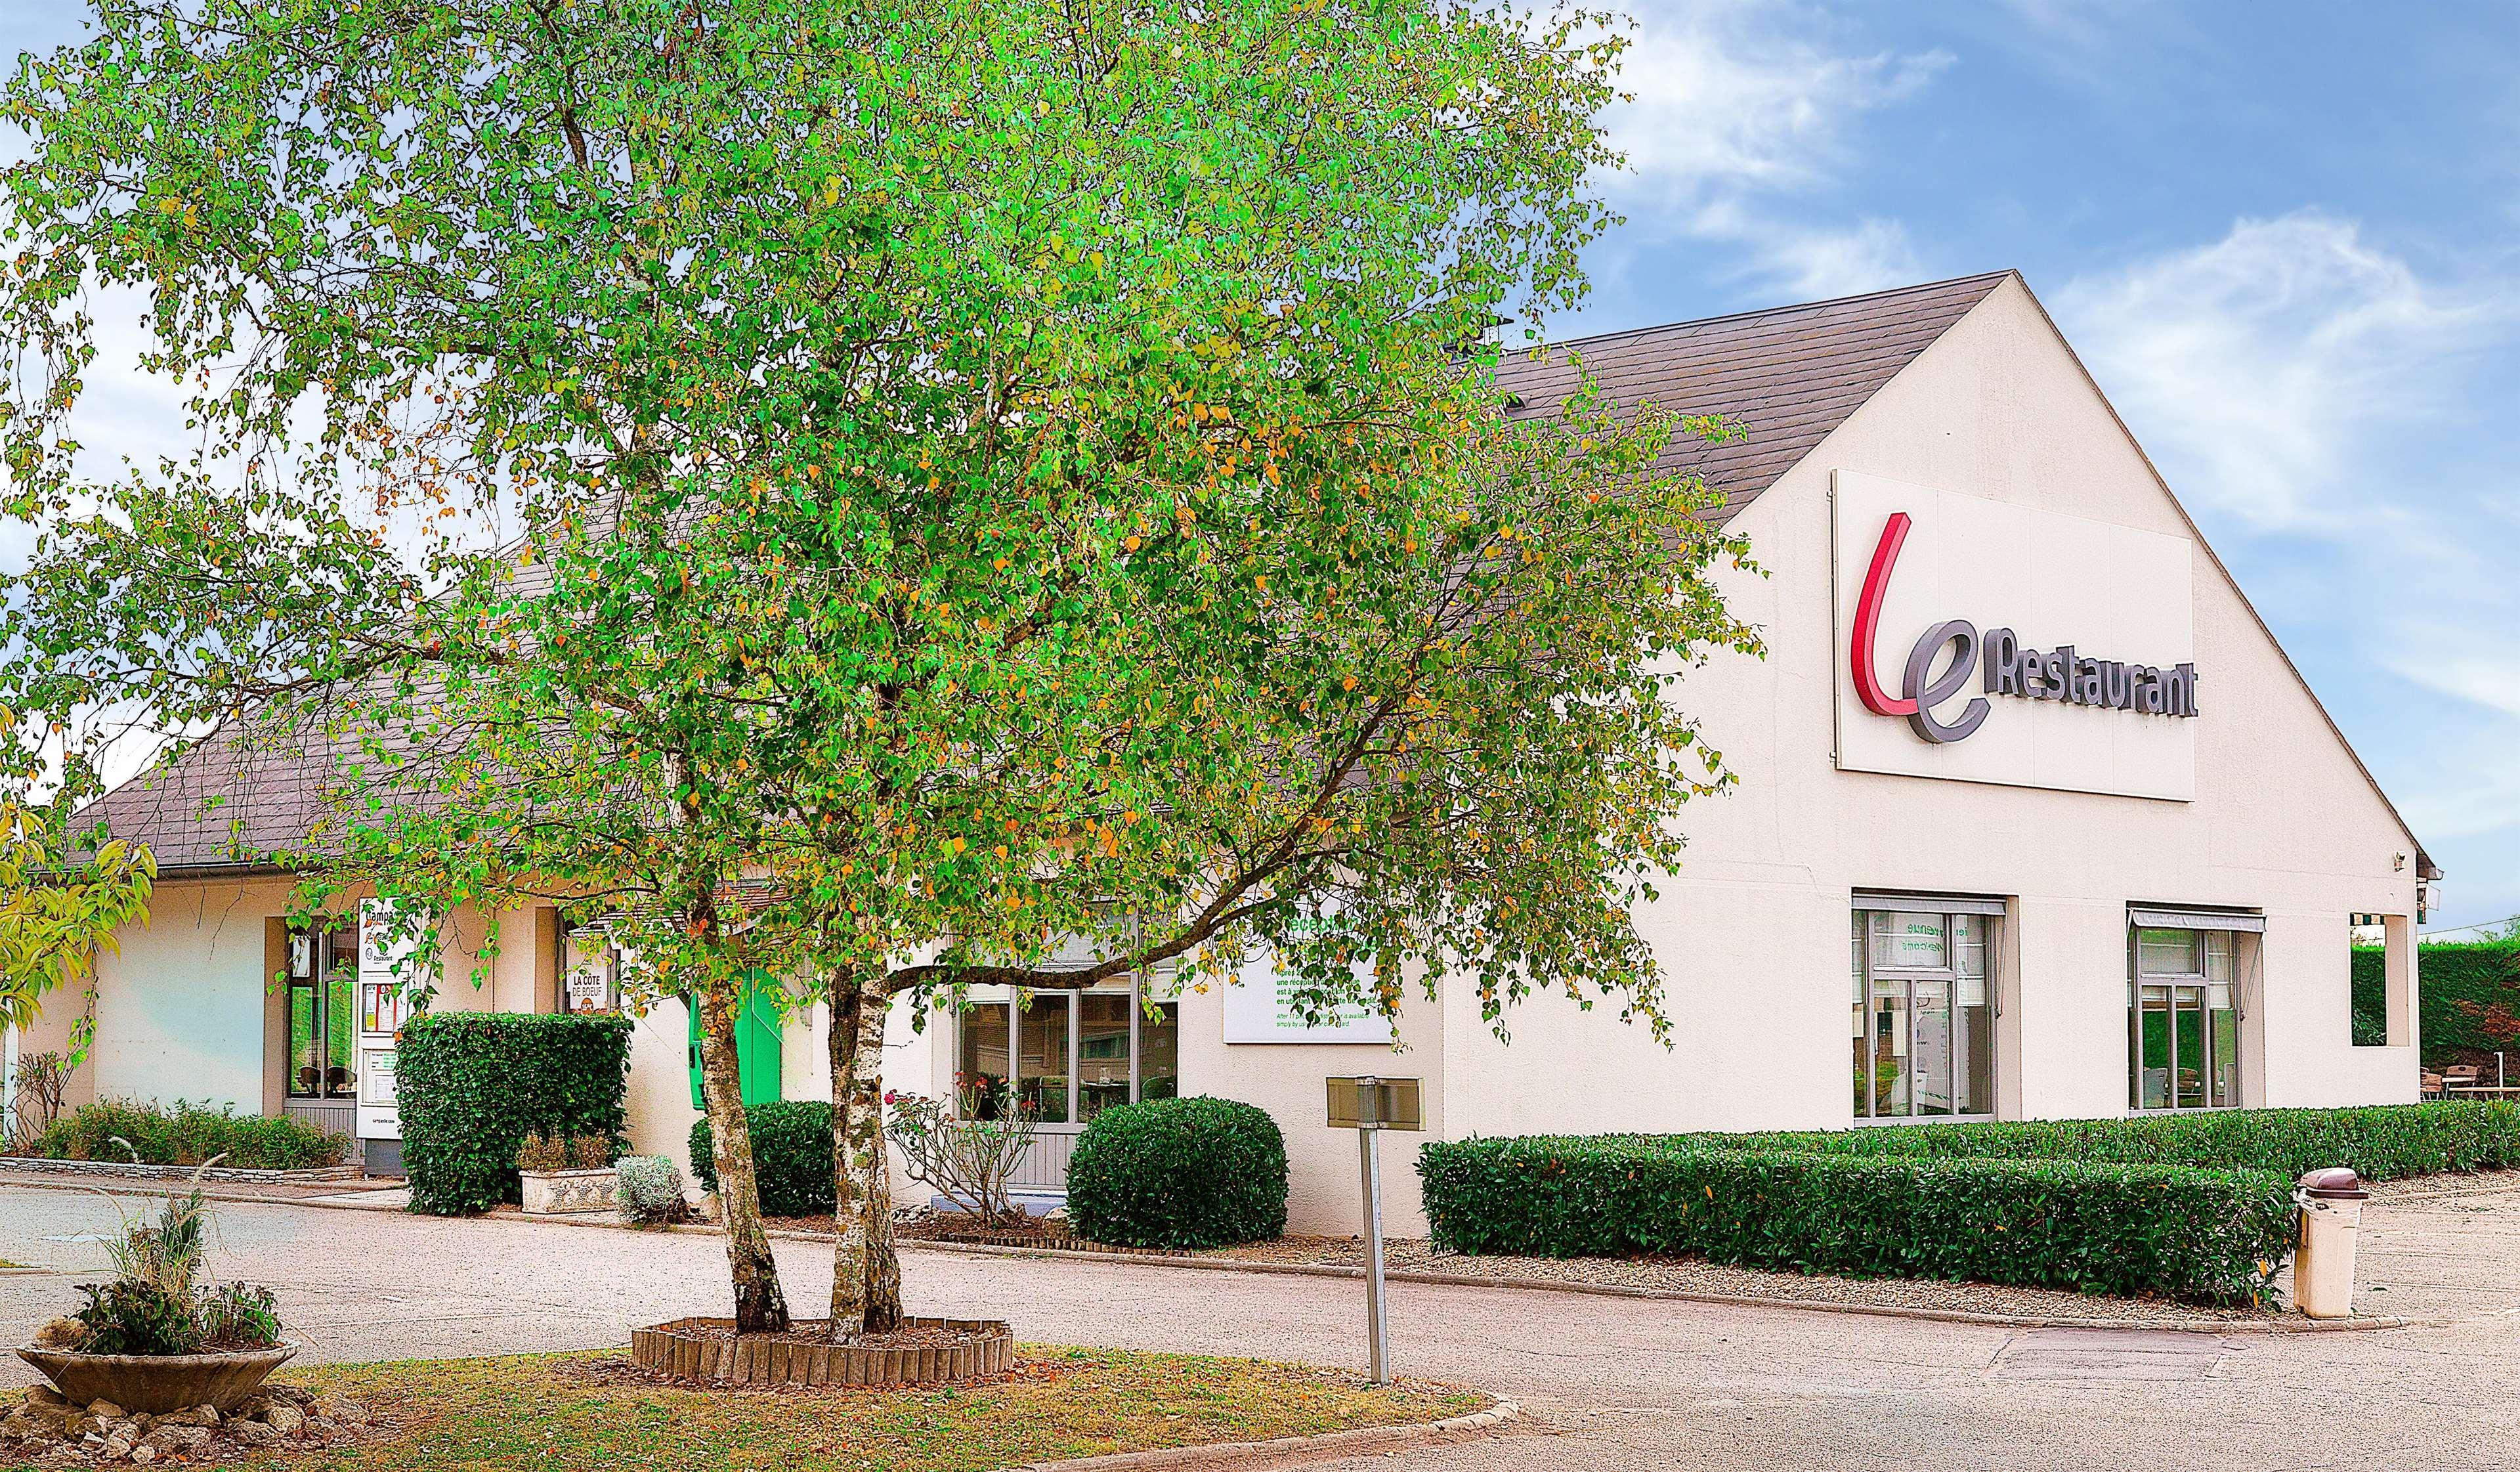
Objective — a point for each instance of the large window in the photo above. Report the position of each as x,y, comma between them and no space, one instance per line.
1924,1014
323,987
1067,1057
2184,1046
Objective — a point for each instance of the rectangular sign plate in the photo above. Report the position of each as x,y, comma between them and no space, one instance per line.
1370,1103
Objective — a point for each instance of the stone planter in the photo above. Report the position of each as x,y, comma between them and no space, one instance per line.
700,1348
159,1383
554,1193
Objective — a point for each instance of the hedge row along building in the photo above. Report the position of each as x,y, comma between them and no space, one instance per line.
2036,819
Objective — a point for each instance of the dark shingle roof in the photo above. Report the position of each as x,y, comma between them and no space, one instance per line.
236,794
1788,375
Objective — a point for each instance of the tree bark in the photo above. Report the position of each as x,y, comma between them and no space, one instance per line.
866,1279
884,1269
760,1303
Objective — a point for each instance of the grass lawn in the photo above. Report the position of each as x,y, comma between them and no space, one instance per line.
593,1410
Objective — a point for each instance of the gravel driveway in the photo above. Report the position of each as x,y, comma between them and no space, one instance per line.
1613,1383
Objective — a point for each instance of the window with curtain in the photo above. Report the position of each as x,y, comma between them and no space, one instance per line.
2184,1044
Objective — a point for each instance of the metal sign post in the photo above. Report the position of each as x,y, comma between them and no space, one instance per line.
1370,1106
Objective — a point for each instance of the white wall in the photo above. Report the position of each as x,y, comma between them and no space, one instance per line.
180,1009
658,1103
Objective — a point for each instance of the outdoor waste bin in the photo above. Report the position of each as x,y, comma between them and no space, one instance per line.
2331,1216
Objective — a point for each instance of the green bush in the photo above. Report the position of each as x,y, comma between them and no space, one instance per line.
2381,1142
132,1317
2212,1235
2468,999
472,1083
791,1156
1179,1173
184,1133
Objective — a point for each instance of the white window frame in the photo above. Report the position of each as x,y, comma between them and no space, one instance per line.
1988,915
2207,927
1005,996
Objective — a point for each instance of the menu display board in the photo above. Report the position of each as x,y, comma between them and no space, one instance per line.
1260,1007
385,1005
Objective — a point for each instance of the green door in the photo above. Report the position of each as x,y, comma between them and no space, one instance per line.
756,1044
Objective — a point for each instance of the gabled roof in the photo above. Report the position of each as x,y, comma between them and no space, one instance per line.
1787,375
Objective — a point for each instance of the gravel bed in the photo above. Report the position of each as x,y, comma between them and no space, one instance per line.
2430,1187
1691,1276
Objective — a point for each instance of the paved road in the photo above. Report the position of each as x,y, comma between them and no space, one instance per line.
1616,1383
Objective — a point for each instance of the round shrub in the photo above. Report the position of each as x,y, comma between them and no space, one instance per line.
1179,1173
791,1156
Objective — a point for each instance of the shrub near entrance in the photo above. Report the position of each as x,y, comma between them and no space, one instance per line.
472,1084
2214,1235
1179,1173
791,1156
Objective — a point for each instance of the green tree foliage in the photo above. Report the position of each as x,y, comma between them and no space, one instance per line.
60,903
2469,995
991,480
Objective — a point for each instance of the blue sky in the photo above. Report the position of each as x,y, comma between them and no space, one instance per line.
2282,238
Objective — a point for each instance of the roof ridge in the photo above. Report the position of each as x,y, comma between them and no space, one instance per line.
1765,311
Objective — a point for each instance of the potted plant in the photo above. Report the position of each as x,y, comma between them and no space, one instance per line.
563,1173
156,1338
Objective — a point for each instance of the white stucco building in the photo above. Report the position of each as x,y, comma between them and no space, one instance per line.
2109,865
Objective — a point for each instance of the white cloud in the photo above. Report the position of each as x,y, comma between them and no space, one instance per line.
1725,97
2340,418
2268,364
1739,109
1808,264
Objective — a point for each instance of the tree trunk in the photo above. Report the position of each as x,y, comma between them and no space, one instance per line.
864,1278
760,1305
884,1269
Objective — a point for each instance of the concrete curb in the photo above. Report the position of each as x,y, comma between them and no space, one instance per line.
1361,1438
2288,1326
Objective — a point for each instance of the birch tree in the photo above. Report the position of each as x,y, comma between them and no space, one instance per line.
886,498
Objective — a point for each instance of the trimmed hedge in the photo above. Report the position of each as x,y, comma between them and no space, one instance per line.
472,1083
2381,1142
185,1133
2369,1006
1179,1173
791,1156
2212,1235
